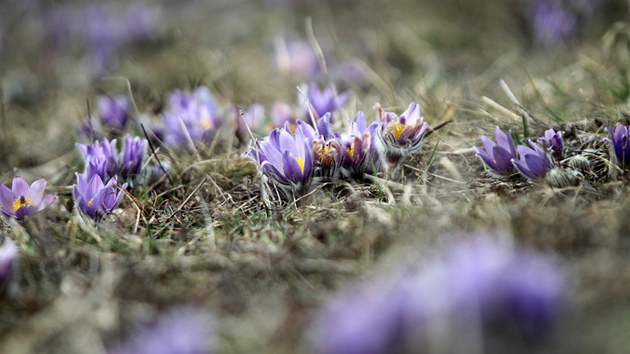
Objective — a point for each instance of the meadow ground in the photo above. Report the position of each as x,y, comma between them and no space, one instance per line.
207,238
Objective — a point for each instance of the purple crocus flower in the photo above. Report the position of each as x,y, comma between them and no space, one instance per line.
132,157
281,114
324,101
184,330
327,150
534,162
498,156
552,22
8,251
114,111
359,156
191,117
95,198
22,200
478,286
398,138
101,158
619,144
552,142
296,58
286,160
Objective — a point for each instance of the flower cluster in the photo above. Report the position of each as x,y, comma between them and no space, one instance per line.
502,157
291,157
22,200
480,286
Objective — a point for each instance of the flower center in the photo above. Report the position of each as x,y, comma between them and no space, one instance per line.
21,201
351,150
90,202
398,129
300,162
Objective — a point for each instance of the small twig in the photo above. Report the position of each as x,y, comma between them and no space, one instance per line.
155,154
316,47
383,183
181,206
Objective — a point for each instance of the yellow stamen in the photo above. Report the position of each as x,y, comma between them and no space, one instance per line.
300,162
398,129
351,151
22,201
90,201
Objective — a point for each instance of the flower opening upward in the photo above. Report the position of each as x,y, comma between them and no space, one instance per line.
552,142
479,288
132,157
534,162
358,154
399,138
95,198
286,160
22,200
498,156
619,143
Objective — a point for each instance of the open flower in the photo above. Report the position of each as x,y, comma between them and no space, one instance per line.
95,198
324,101
399,138
286,160
552,142
22,200
534,162
498,156
619,143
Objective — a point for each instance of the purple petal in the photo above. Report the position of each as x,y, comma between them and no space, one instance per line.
20,187
7,197
292,169
36,192
287,142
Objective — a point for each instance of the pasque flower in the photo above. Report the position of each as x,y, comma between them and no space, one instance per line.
324,101
398,138
101,158
498,156
327,150
359,156
552,22
552,142
534,162
95,198
252,118
479,287
114,111
22,200
619,143
184,330
132,157
286,159
191,117
8,251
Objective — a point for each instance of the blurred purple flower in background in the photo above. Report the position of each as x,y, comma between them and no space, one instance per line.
553,23
114,111
254,118
181,331
296,58
324,101
95,198
398,138
552,142
467,299
22,200
619,143
533,163
191,117
498,156
8,251
282,114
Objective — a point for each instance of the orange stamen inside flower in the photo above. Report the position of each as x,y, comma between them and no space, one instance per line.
22,201
300,162
90,201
